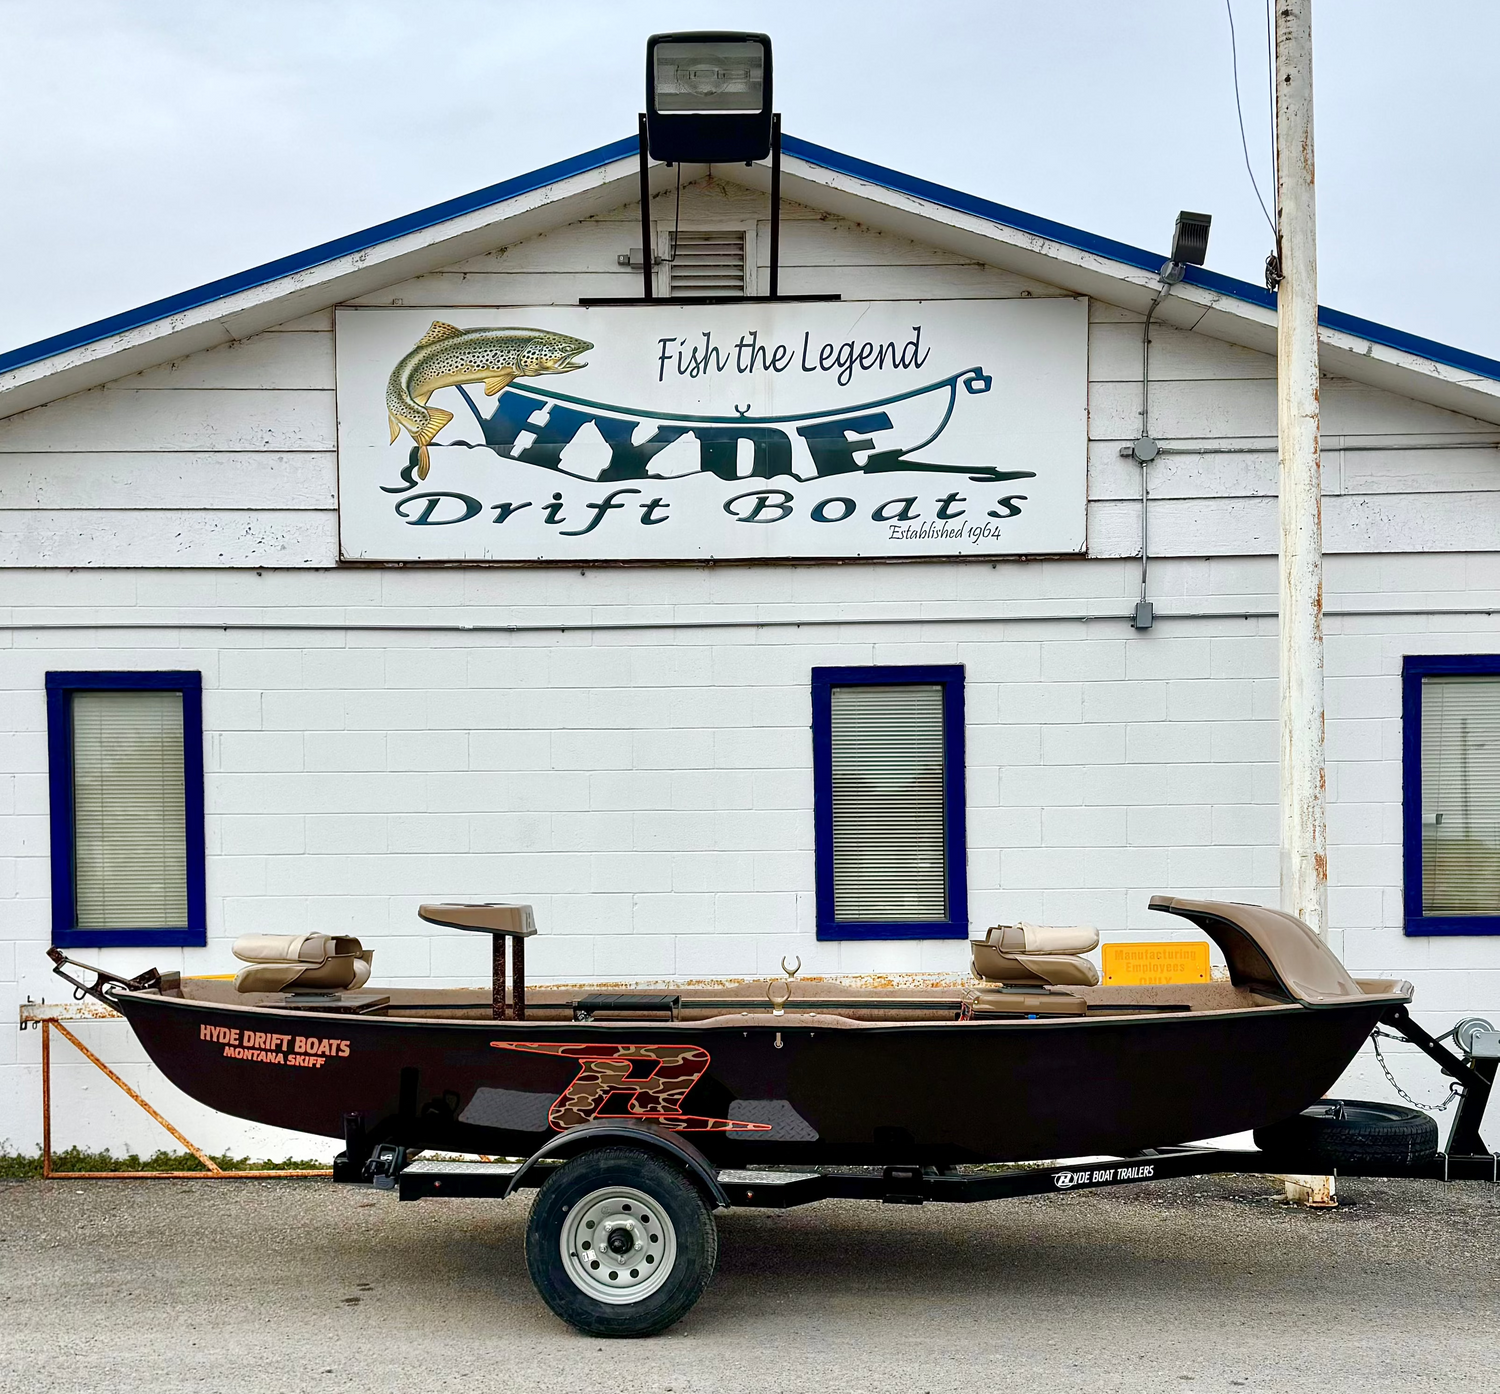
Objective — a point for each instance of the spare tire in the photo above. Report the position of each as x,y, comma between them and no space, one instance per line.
1353,1135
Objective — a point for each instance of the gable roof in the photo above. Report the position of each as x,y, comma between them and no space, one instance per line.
361,241
1136,257
236,306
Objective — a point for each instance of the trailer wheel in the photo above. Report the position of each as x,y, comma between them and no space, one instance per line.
620,1243
1352,1133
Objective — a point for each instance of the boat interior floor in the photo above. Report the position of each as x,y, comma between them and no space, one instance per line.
765,1000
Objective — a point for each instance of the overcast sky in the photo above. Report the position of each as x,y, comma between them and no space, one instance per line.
155,144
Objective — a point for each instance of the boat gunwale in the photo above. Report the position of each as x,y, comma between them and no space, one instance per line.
787,1021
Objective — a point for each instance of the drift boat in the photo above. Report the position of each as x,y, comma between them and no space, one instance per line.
639,1113
1035,1061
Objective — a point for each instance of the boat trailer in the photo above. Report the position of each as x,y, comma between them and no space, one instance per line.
784,1188
412,1176
620,1240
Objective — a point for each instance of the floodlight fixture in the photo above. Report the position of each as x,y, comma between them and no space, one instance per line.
1190,238
708,97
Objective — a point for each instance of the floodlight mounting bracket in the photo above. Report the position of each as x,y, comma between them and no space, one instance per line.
649,259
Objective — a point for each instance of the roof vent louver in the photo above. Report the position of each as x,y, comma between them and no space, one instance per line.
707,263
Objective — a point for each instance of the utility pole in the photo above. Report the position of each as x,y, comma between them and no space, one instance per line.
1304,832
1304,826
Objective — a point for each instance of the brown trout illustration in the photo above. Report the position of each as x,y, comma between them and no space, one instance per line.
446,356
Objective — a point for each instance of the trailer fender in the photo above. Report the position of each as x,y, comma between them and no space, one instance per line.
650,1137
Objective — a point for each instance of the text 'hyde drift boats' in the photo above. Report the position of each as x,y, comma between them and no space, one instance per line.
639,1112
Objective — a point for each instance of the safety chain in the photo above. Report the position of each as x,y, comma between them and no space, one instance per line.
1455,1090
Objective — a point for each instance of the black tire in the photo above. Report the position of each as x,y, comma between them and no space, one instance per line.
690,1235
1351,1135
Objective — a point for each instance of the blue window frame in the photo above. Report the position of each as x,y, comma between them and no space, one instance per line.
952,919
62,689
1468,857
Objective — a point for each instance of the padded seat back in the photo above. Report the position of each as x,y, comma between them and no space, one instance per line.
301,963
1028,953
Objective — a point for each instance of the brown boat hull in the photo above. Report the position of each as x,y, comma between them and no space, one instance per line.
788,1090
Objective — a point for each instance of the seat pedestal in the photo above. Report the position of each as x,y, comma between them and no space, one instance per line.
501,922
498,1005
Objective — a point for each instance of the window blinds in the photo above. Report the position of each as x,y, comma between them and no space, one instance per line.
1461,796
129,821
707,263
888,818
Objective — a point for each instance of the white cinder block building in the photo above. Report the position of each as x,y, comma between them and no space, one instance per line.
798,629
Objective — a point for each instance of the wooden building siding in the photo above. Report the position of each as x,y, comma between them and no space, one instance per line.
226,457
819,254
643,775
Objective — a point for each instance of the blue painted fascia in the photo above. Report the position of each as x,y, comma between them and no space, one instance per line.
317,256
939,194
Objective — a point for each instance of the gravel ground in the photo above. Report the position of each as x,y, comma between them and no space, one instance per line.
1208,1284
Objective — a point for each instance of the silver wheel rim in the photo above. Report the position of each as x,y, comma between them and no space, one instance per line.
618,1245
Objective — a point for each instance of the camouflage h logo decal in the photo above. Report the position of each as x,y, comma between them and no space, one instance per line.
653,1095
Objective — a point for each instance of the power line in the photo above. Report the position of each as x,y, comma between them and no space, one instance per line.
1240,113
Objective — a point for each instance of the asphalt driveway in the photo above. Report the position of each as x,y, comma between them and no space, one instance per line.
258,1287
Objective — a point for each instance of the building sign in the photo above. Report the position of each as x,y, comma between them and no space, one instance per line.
736,432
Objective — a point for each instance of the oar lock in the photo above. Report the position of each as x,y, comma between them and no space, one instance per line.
779,990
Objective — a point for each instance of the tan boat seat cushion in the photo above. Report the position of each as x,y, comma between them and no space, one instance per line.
490,918
301,963
1028,953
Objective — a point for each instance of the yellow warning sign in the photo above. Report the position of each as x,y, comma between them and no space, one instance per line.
1140,965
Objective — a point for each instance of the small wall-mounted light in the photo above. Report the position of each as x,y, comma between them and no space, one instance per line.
1190,238
708,97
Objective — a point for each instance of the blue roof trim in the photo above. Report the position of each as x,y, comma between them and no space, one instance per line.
819,155
317,256
1137,257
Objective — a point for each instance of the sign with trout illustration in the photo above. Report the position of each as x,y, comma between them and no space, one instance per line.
733,432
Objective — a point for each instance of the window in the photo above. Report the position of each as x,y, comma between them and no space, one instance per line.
888,796
125,760
707,263
1451,758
